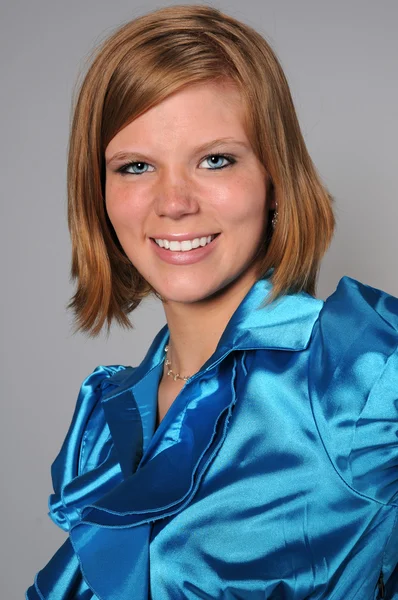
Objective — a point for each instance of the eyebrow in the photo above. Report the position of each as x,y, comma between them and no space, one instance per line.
127,155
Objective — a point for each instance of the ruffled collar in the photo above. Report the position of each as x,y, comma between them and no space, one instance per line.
285,324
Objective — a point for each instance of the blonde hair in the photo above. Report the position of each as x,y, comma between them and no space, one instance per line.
137,67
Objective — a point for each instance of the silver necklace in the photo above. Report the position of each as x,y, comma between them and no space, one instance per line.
170,371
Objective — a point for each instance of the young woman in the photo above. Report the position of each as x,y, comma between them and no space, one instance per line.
253,453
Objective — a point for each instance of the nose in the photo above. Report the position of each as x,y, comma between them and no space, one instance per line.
175,196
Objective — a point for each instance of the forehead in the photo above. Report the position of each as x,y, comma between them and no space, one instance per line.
193,113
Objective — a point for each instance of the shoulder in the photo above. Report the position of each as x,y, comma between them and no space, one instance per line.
353,380
356,327
87,416
87,444
361,307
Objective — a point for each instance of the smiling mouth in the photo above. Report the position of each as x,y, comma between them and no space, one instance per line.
185,245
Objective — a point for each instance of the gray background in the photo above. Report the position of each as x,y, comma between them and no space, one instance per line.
341,61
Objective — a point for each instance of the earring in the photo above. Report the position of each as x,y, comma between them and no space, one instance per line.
275,217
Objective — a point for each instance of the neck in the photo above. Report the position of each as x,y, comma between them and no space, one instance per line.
196,328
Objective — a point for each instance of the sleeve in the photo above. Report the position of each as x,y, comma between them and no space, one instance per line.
353,382
82,469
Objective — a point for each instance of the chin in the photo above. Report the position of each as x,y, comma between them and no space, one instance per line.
190,291
185,290
183,296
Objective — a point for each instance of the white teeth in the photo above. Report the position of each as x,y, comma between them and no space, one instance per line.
185,245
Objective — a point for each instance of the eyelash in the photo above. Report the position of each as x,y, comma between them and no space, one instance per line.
123,169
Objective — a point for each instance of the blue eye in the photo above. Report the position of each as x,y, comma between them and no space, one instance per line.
135,168
218,161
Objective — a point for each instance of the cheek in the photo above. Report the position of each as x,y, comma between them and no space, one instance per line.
244,203
124,209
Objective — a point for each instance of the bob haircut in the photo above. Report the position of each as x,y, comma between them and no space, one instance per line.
139,66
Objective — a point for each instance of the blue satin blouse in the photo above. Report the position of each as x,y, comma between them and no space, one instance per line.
273,475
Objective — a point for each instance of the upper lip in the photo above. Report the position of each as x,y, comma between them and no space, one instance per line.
180,237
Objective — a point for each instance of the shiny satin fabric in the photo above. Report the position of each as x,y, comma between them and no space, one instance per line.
274,474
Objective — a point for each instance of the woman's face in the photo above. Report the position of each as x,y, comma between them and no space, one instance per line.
186,194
